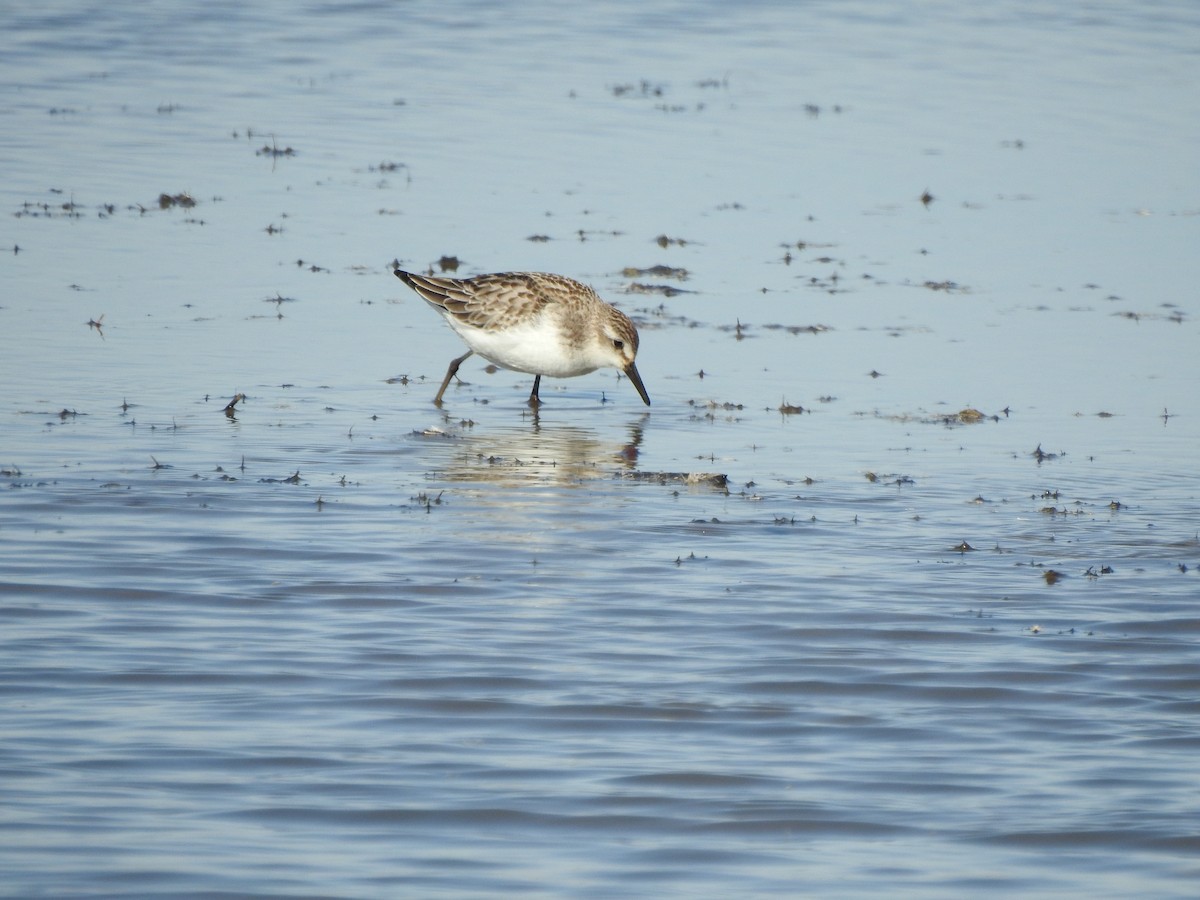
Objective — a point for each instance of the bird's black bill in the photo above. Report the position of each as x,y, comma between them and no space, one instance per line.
631,373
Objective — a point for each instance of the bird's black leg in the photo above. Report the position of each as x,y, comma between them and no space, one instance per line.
534,399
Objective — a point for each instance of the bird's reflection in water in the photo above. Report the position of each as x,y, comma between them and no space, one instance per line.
536,451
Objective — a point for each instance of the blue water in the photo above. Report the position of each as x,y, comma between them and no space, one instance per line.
346,644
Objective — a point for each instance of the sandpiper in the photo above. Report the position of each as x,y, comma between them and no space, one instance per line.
532,322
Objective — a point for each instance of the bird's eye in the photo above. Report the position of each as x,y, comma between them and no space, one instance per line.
619,345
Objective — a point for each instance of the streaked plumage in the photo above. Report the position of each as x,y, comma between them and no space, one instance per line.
532,322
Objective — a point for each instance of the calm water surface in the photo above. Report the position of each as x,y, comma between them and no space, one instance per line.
808,626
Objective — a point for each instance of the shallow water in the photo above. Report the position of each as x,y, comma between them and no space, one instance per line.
344,644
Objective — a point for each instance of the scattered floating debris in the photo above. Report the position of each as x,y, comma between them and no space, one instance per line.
291,479
666,290
184,200
712,407
229,407
655,272
691,479
428,502
1052,577
963,547
279,300
899,480
70,209
1137,317
663,241
273,150
643,88
73,210
97,324
798,329
584,234
1042,456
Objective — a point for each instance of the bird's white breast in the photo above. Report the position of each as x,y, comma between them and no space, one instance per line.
539,348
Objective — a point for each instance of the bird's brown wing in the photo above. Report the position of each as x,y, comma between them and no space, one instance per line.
486,301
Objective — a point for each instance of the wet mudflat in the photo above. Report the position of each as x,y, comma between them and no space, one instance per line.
892,589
